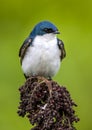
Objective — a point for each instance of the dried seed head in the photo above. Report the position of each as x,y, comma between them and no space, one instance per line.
47,113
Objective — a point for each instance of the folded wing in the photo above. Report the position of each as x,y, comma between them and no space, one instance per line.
61,47
24,47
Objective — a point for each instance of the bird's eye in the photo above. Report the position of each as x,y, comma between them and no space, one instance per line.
48,30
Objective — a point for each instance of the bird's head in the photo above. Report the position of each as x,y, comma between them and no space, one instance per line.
44,27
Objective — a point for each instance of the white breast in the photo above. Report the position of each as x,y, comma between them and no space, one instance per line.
43,58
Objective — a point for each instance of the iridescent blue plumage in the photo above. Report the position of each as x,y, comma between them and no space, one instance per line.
40,29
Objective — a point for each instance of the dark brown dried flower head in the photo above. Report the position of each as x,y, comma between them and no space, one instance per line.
45,111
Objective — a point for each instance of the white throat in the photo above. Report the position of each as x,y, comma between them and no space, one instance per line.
48,37
45,41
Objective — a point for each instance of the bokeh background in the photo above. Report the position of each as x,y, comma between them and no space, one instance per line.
74,20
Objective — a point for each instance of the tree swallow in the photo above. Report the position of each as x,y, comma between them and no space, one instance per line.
42,51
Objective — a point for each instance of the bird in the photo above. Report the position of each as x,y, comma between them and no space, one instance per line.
42,51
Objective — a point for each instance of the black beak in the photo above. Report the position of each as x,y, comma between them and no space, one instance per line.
56,32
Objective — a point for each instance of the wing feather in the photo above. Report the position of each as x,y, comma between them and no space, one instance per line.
61,47
23,48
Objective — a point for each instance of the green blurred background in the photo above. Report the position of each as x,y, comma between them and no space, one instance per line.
74,20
